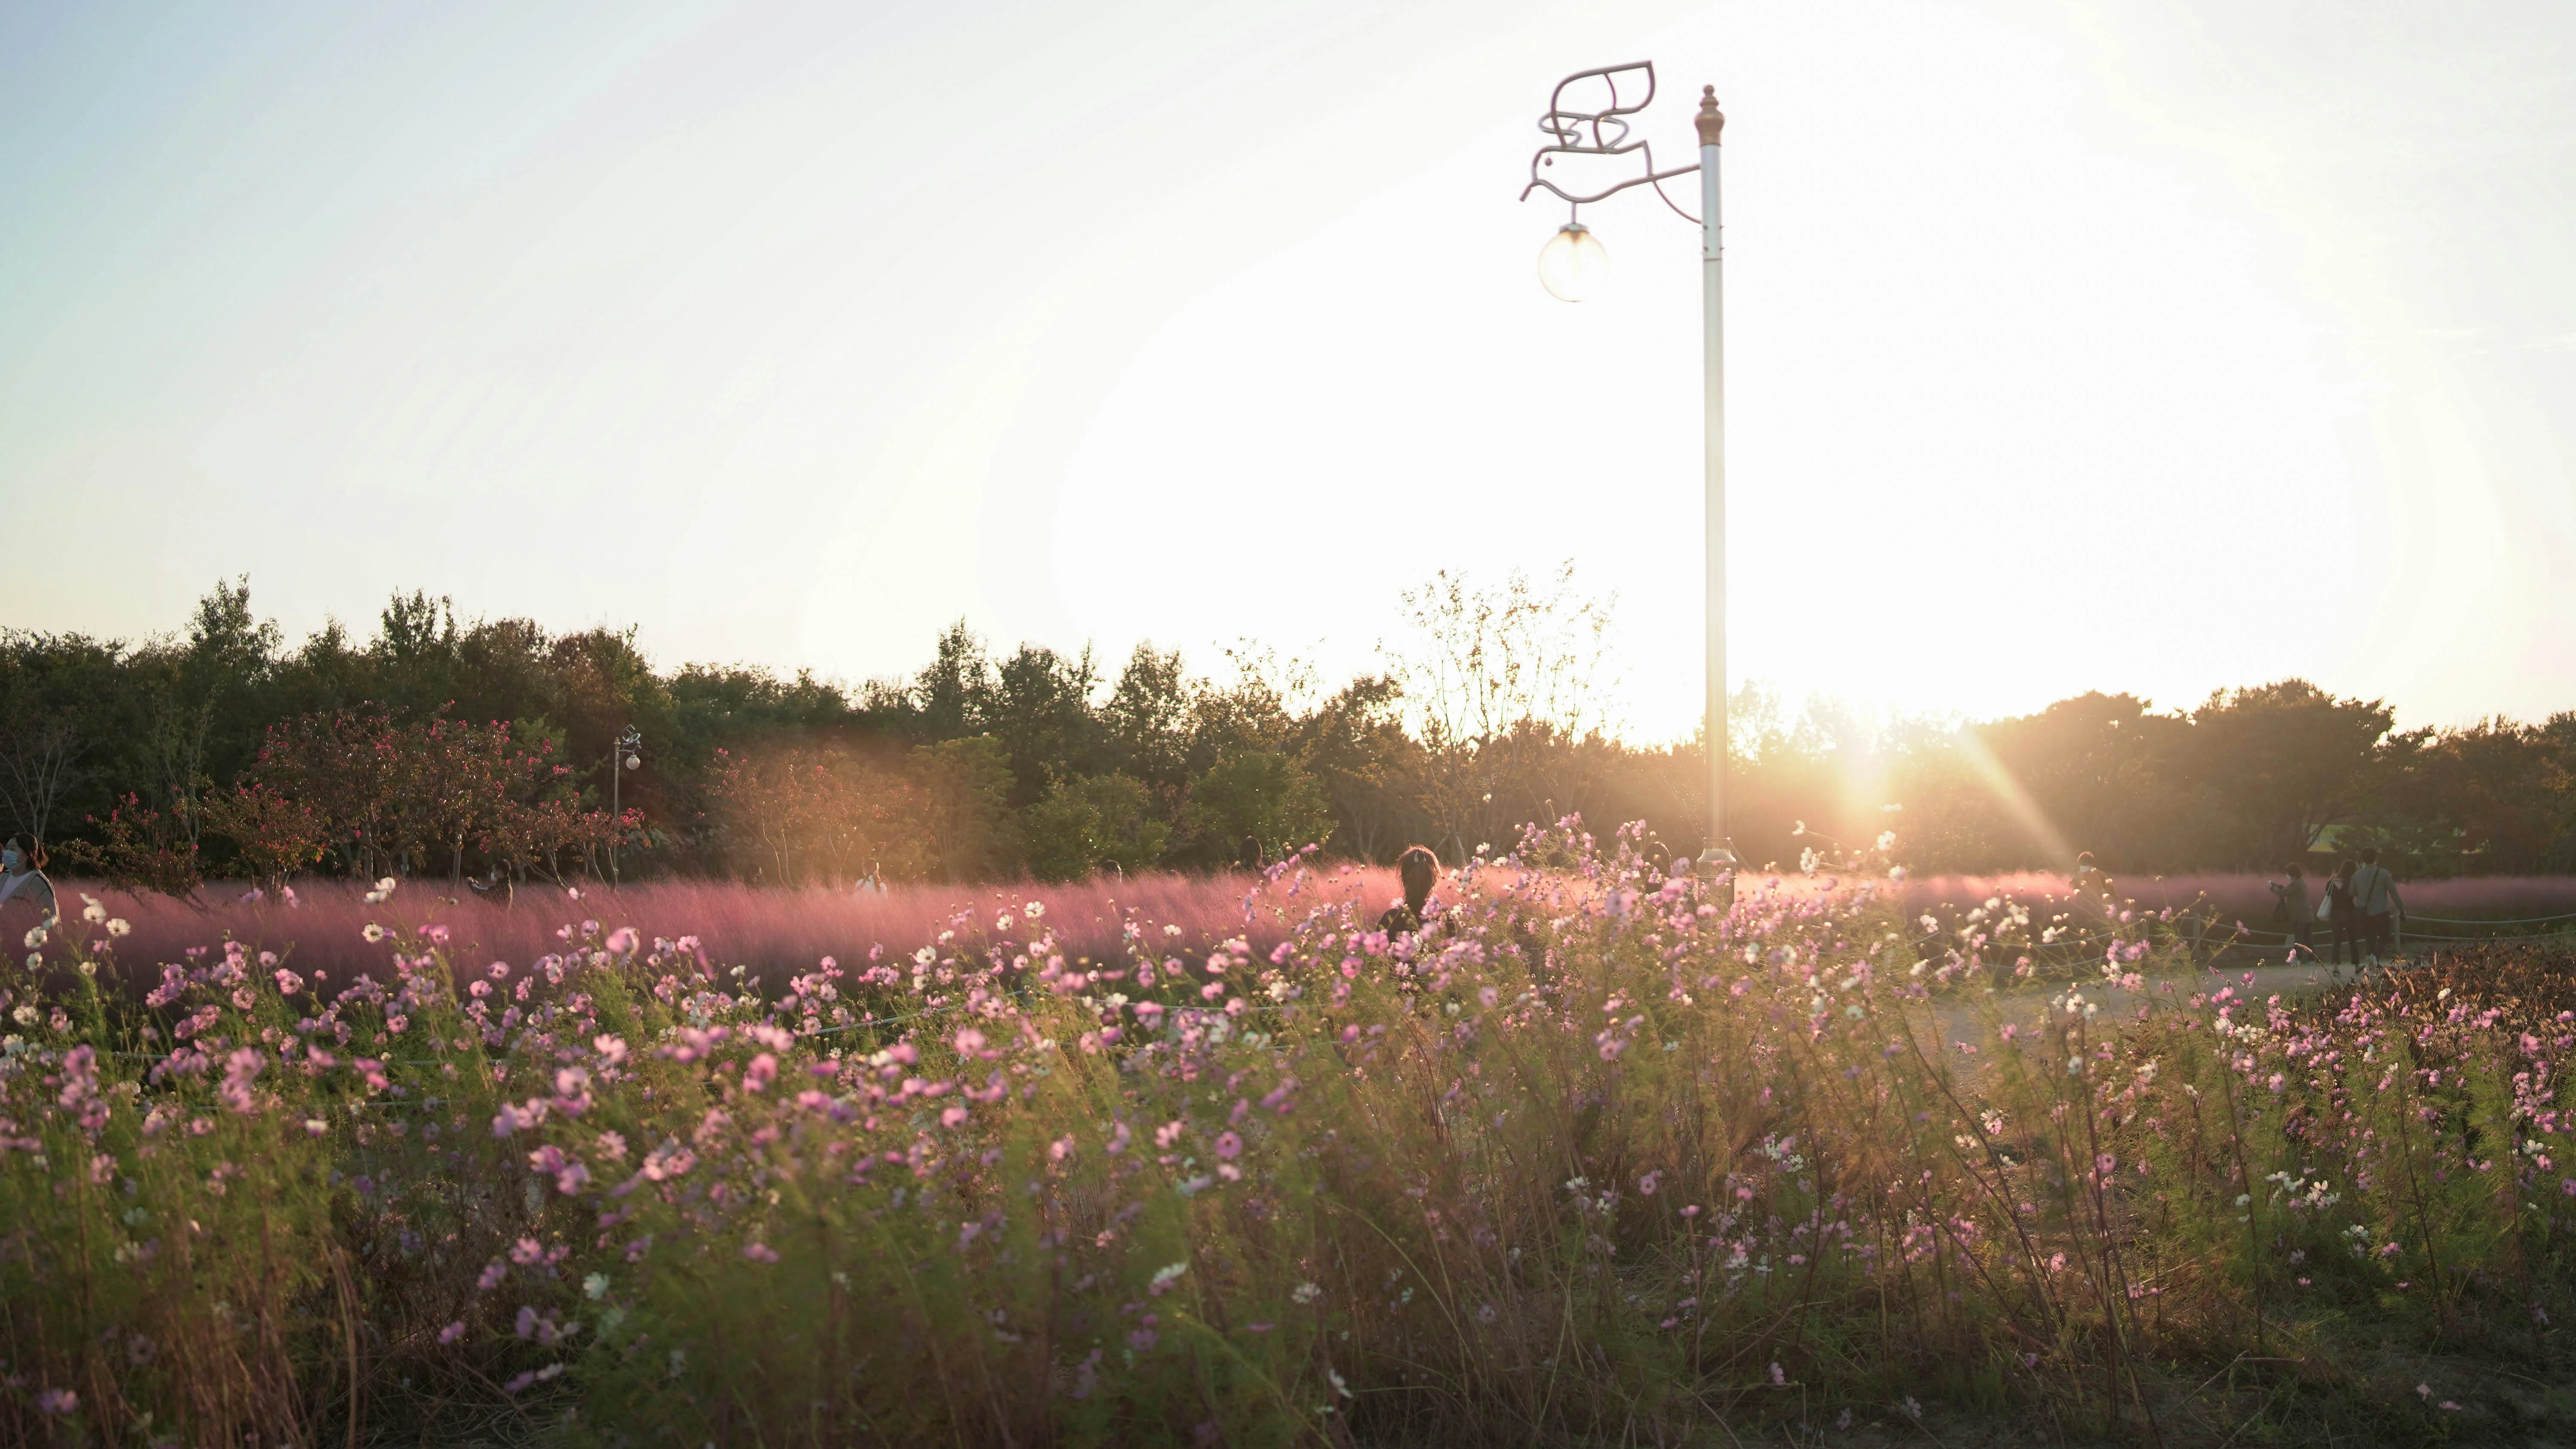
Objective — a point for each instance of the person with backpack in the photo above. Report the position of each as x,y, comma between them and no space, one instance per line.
2374,897
2291,909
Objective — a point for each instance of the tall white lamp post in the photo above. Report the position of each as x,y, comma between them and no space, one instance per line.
1573,265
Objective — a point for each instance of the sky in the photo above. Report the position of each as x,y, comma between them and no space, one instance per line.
2158,347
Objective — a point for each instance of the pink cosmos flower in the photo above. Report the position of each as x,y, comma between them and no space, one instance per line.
761,1253
1228,1146
240,1070
452,1332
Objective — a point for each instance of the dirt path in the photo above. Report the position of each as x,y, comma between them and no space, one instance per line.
1973,1019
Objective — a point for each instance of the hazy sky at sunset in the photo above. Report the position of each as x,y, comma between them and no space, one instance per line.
2145,346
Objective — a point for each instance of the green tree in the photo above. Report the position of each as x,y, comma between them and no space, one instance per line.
1259,795
953,695
966,804
1147,720
2278,763
64,705
1086,822
1040,712
204,709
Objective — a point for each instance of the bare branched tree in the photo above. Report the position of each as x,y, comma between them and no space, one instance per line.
40,763
1503,687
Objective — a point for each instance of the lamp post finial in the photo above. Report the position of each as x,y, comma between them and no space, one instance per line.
1711,119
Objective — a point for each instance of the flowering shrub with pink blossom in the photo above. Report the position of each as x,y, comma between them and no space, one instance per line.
1600,1152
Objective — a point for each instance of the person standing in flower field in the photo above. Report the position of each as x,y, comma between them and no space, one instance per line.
1420,870
2374,895
22,874
2088,879
2300,922
2092,888
2342,917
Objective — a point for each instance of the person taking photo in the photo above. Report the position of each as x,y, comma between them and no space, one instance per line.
22,874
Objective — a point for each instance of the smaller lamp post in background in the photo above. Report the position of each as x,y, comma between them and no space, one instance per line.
629,755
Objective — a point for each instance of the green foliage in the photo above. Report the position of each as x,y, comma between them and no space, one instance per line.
804,815
138,848
966,806
1085,823
62,707
1492,710
1258,795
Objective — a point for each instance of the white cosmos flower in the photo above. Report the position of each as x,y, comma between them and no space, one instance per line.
373,932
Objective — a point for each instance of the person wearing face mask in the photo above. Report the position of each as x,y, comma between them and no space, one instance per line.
22,874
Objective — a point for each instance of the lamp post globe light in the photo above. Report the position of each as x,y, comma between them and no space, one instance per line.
1573,265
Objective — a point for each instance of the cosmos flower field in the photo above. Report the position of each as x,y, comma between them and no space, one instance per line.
1601,1155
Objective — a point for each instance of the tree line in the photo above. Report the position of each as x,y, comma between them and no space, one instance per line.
498,750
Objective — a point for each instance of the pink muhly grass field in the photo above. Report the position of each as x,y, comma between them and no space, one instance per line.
772,931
